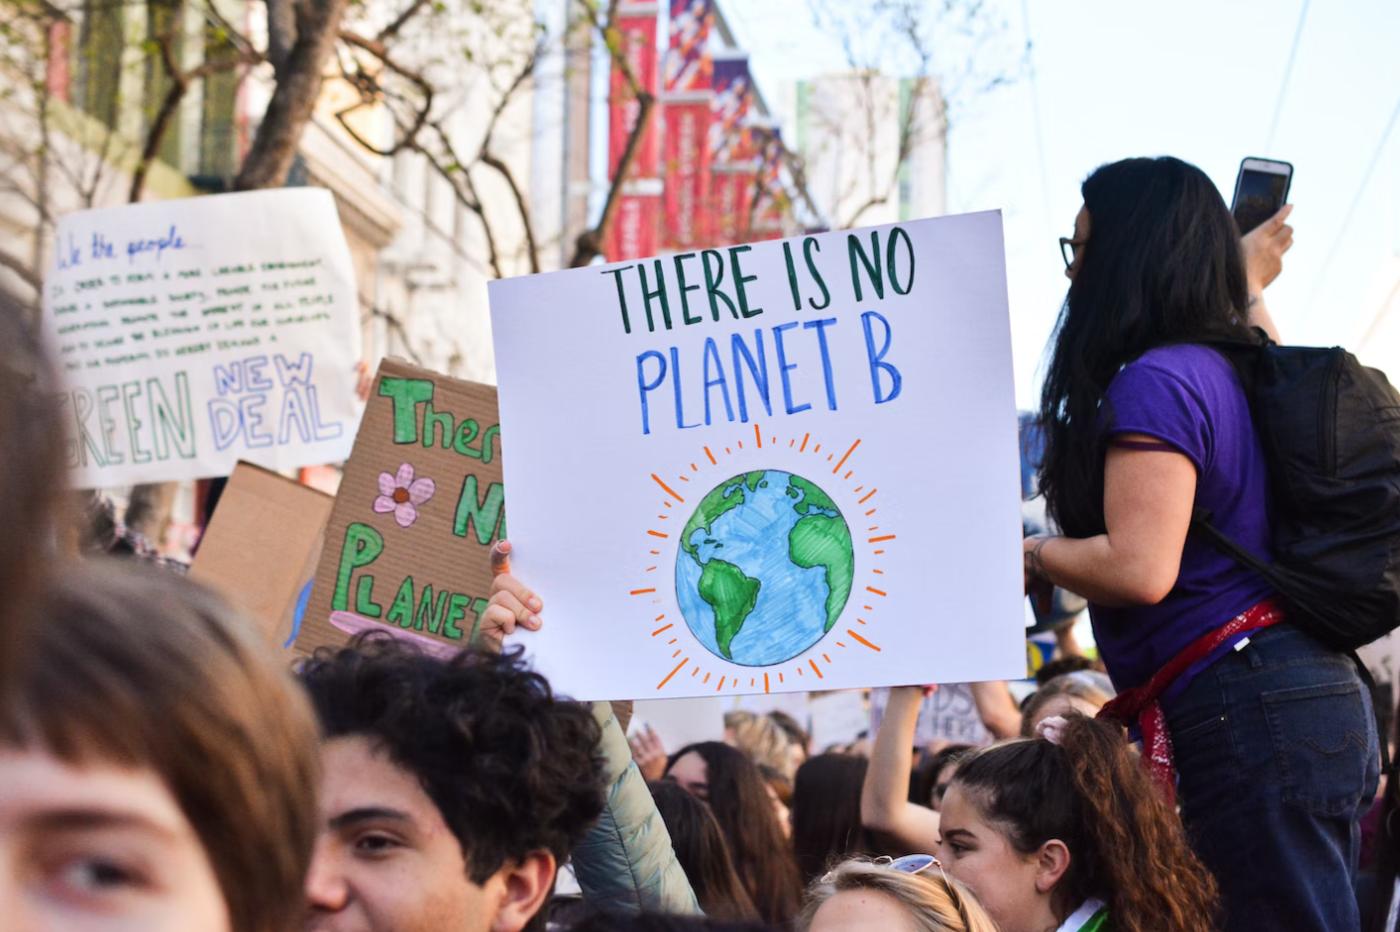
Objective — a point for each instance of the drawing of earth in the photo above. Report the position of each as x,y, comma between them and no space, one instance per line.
764,568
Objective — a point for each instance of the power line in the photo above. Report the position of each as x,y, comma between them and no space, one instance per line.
1355,202
1287,73
1035,108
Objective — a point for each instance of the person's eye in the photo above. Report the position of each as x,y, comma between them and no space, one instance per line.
375,844
94,876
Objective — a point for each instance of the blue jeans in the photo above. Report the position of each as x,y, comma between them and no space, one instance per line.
1277,758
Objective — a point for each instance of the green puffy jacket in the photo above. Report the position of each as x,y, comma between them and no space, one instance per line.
626,863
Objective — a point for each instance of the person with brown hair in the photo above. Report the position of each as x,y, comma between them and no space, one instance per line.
157,764
704,854
732,785
1066,830
826,824
909,894
1070,692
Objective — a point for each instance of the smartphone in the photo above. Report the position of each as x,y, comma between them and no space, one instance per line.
1261,188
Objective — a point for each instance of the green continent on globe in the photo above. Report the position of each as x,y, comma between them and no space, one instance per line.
813,500
818,540
722,498
732,595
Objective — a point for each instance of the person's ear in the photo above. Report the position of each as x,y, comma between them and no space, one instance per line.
1051,863
527,884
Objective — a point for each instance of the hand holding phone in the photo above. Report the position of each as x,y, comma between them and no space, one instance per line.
1261,189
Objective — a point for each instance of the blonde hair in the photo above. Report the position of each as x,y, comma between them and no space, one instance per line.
761,740
935,903
1077,685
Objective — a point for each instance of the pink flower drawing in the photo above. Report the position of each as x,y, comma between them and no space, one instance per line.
402,494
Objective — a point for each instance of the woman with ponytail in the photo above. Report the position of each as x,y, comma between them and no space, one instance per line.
1065,831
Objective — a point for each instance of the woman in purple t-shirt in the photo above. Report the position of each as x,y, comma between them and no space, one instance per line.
1271,733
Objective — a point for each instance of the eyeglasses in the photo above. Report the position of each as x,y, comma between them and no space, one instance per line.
917,864
1067,247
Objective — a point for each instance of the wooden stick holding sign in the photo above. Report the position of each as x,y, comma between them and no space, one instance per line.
408,545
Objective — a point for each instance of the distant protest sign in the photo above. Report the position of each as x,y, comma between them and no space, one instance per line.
194,333
261,548
782,466
407,549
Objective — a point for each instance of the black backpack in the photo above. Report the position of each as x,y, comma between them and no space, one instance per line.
1330,429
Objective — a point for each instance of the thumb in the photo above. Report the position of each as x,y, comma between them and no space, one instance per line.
1276,221
500,557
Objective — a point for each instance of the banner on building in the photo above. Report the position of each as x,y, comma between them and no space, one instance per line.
407,548
194,333
734,470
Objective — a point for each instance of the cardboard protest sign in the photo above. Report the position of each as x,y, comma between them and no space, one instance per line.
408,544
261,547
194,333
772,467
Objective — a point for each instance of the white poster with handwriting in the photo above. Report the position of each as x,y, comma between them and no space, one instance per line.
789,465
194,333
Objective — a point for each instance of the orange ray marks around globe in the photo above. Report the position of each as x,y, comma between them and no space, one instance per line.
685,478
830,457
870,512
881,539
805,438
863,640
870,608
839,644
713,461
676,654
876,572
799,671
706,680
868,496
858,488
848,475
862,621
765,682
758,437
672,673
740,444
652,569
816,669
752,681
668,504
655,553
876,591
873,527
826,658
662,629
658,534
693,468
773,440
780,676
641,591
668,490
696,672
877,552
845,456
721,683
817,449
660,617
792,443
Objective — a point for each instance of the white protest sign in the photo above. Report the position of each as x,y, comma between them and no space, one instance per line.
790,465
194,333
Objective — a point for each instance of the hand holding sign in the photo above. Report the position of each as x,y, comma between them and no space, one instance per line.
511,604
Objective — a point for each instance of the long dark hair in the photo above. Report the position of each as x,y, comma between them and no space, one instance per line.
703,852
762,854
826,825
1126,844
1162,265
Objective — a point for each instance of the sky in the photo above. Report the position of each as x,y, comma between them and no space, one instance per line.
1198,80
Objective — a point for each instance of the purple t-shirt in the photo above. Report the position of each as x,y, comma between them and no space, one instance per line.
1190,397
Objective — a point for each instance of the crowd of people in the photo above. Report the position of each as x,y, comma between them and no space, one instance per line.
162,767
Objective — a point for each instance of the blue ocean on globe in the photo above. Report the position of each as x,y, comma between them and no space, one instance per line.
791,611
